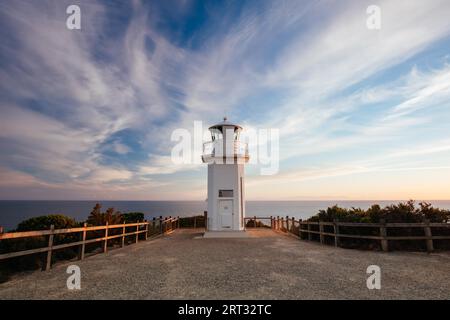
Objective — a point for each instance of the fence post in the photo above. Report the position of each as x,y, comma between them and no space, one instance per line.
309,233
205,214
287,223
83,238
123,235
300,228
50,246
105,245
178,222
293,224
137,232
254,222
322,238
160,224
153,225
383,234
146,230
278,222
428,234
336,232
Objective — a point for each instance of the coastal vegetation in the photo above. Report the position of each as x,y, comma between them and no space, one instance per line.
36,261
252,223
403,212
44,222
98,218
132,217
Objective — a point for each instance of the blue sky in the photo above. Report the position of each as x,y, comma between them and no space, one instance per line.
88,114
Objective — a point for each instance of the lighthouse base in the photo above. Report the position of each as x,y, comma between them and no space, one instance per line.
226,234
226,209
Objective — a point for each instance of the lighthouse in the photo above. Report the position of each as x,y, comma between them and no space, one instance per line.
226,156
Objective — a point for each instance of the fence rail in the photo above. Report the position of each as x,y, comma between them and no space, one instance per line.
152,228
300,228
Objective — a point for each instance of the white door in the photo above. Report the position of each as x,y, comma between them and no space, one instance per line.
226,214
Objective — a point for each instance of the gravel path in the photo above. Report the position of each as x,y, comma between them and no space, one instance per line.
267,266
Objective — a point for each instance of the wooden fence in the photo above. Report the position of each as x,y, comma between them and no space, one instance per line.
199,221
148,229
307,229
160,226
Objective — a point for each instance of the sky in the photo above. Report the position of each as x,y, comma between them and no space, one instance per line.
89,114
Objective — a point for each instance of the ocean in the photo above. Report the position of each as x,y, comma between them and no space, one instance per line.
13,212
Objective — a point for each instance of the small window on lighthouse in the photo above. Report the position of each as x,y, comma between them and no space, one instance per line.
216,134
225,193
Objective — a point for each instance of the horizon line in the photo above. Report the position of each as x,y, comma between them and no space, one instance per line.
255,200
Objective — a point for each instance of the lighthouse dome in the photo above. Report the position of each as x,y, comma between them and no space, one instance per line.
225,123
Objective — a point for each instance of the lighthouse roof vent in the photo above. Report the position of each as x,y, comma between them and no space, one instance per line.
225,123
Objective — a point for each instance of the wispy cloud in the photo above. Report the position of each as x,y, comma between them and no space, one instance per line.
95,108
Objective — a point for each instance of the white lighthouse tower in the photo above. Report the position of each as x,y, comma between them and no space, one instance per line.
225,156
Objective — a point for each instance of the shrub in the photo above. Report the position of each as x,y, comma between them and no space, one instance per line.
131,217
36,261
44,222
98,218
401,212
259,224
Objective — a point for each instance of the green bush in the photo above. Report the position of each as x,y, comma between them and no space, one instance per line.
37,261
44,222
131,217
259,224
98,218
401,212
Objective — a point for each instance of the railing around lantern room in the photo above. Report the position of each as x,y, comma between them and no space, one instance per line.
216,148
